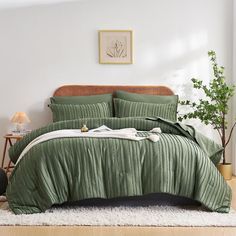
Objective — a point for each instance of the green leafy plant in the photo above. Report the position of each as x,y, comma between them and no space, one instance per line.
214,108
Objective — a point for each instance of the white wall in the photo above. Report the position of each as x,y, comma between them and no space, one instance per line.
234,81
43,47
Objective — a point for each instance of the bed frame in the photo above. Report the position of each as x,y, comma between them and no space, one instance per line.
84,90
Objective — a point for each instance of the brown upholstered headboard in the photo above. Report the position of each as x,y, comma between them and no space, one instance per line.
84,90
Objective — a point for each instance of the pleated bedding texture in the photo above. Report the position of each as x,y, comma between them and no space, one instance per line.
62,170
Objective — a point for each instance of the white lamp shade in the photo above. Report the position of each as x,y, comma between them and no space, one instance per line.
20,118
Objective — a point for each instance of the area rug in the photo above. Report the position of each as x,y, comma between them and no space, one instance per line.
121,216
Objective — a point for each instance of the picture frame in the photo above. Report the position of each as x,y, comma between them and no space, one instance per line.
115,46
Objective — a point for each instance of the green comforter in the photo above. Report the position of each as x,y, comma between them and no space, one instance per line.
62,170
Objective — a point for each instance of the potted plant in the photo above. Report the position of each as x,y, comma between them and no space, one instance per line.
214,108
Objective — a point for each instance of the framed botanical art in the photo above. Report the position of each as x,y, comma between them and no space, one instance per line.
115,47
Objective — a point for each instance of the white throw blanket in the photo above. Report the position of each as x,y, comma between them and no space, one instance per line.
101,132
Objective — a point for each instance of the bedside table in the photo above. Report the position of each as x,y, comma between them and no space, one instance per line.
9,140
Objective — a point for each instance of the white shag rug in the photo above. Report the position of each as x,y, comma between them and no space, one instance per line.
121,216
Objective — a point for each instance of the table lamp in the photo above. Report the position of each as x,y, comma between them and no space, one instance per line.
20,118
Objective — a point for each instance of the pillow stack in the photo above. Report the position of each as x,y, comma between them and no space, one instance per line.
125,105
75,107
143,105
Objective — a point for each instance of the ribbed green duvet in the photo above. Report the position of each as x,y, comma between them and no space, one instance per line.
62,170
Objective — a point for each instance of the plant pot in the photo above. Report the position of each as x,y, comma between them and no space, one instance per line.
225,170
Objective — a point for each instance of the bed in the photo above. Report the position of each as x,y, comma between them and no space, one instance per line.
140,151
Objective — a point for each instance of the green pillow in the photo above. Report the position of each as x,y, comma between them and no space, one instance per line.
125,108
135,97
70,112
82,99
79,100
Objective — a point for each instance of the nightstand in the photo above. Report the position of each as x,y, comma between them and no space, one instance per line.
9,138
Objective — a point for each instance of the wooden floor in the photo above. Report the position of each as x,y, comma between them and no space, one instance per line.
118,231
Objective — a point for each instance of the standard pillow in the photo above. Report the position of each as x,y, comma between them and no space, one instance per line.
79,100
125,108
70,112
135,97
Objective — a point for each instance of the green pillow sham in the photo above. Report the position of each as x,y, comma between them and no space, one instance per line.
125,108
82,99
136,97
79,100
70,112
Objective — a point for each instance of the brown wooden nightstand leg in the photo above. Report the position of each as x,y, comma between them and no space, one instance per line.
10,142
9,138
9,163
4,152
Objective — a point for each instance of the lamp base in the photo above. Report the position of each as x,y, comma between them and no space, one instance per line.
19,127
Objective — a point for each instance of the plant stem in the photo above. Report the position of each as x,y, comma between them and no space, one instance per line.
231,131
223,136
